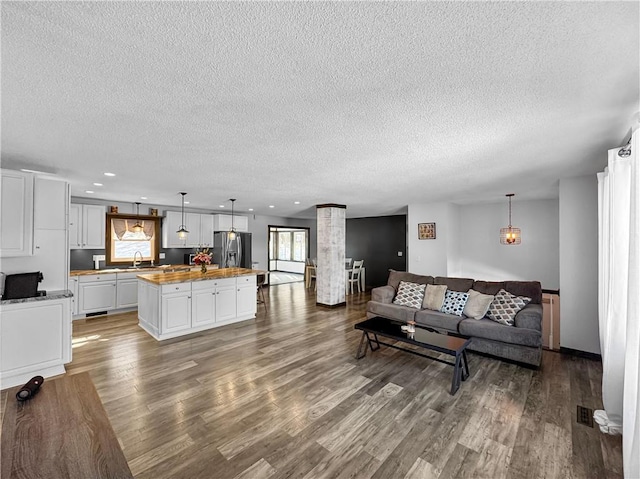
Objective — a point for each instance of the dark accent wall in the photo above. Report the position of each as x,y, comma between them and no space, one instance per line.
377,241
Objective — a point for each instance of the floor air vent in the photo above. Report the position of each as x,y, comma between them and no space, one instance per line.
585,416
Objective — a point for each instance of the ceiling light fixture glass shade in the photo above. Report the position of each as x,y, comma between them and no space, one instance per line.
182,230
510,235
137,227
232,232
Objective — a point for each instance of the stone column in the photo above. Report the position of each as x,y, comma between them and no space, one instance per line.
330,276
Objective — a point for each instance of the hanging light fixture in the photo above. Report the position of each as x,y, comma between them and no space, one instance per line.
232,232
137,227
510,235
182,230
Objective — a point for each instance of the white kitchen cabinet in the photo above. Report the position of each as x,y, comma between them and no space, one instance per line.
35,338
171,223
51,199
73,287
87,226
200,227
203,305
194,238
224,223
16,215
51,257
176,312
97,293
126,293
206,230
246,304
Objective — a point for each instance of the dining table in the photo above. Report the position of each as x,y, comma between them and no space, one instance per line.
347,273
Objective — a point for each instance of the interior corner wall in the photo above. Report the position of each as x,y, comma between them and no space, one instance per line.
430,256
579,327
535,259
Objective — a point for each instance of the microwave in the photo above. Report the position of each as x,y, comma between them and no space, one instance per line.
188,258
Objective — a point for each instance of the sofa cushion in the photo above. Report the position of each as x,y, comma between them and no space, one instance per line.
391,311
410,294
487,329
434,296
383,294
488,287
477,304
455,284
438,320
530,317
529,289
396,276
505,306
454,302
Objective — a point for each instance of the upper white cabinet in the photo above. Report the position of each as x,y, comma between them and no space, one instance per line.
16,218
200,229
87,226
51,197
224,223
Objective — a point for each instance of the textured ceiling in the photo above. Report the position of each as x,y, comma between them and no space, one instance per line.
372,105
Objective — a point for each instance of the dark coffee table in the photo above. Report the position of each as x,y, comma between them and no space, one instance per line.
423,337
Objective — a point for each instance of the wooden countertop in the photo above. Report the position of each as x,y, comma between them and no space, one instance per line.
83,272
187,277
63,431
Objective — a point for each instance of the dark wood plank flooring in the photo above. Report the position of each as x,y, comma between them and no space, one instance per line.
283,396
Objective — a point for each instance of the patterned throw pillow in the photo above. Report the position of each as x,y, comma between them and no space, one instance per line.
454,302
410,294
505,306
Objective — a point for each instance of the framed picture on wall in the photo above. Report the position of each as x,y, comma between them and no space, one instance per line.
426,231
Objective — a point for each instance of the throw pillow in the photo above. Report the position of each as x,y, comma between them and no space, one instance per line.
477,304
505,306
410,294
434,296
454,302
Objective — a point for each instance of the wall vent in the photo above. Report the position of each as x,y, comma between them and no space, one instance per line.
585,416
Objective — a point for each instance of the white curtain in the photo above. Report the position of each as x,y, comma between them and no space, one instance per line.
619,301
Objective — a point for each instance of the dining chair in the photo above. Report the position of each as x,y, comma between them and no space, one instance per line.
312,274
261,279
354,276
348,263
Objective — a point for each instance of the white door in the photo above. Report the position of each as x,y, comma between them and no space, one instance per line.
75,226
225,303
127,294
99,296
93,226
246,301
203,306
176,312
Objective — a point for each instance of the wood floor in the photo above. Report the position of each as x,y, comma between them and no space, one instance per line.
283,396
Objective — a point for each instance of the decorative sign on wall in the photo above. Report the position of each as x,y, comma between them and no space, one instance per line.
426,231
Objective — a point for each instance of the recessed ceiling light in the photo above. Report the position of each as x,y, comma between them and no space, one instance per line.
97,184
109,174
88,191
186,202
271,206
143,198
250,209
296,202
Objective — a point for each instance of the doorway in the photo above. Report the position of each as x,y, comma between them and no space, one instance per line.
288,252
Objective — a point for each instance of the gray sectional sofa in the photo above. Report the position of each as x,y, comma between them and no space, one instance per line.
521,342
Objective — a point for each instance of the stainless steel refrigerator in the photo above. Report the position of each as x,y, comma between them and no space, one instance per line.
232,253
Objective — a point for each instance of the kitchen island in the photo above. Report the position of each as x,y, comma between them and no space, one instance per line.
175,304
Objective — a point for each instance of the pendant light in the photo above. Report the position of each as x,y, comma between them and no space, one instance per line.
137,227
510,235
232,232
182,231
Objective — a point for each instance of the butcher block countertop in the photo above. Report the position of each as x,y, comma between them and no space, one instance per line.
142,269
189,276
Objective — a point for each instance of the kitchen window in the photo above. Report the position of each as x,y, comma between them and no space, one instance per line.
124,242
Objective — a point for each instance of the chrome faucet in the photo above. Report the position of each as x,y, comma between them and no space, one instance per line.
135,255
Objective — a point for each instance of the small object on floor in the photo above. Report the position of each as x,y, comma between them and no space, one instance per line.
30,389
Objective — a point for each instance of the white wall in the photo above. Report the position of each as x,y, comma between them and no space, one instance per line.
579,264
430,256
535,259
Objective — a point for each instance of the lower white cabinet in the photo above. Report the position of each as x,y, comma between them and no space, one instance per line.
175,309
96,293
35,339
126,293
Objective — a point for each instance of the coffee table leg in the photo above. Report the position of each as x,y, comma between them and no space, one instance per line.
455,381
465,362
362,353
375,337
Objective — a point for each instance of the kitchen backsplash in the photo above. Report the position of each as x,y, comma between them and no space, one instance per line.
83,258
